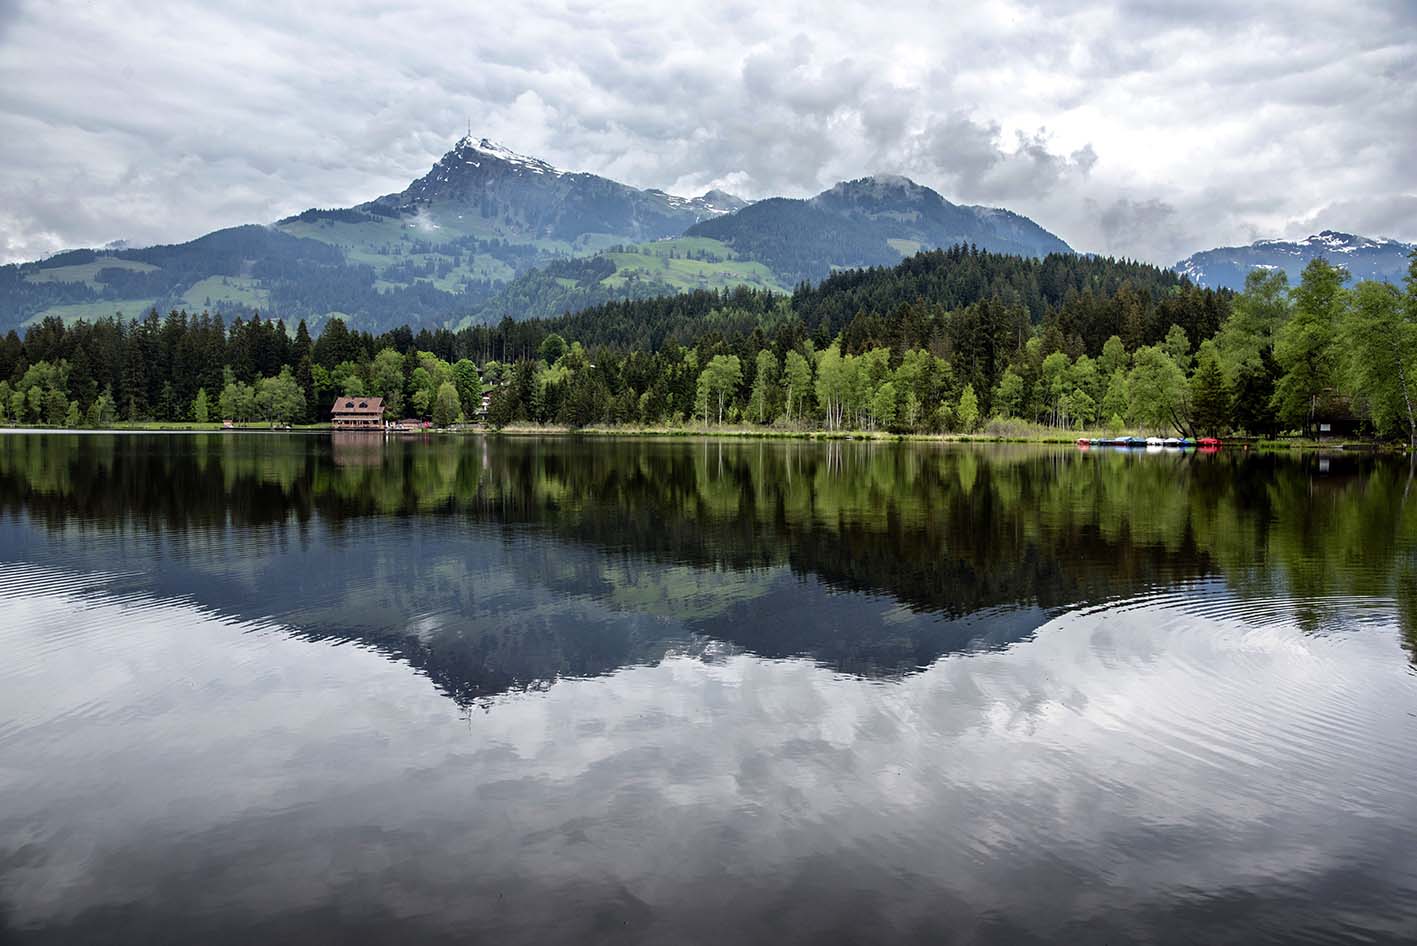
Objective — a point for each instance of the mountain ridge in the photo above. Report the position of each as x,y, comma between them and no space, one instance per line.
457,244
869,221
1382,259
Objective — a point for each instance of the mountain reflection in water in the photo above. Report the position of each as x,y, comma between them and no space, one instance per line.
760,692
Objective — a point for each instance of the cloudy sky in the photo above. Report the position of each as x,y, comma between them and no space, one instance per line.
1150,129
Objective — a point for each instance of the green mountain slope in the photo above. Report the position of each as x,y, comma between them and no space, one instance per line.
638,271
874,221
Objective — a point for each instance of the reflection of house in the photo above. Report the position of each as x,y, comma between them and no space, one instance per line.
358,413
357,447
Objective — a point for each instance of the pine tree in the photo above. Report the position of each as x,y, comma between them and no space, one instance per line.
1210,397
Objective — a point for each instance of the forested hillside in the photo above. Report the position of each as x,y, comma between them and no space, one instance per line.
945,341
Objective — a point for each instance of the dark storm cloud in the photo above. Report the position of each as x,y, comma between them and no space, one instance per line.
164,120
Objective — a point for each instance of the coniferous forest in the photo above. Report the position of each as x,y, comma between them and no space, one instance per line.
956,340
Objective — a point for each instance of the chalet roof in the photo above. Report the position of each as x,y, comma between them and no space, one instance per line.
359,406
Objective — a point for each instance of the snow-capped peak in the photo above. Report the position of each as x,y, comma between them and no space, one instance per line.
1336,241
470,149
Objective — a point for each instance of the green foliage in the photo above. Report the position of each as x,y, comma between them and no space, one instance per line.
469,386
1114,357
349,381
1009,395
40,395
1379,342
717,384
1159,395
762,402
1210,395
885,349
102,412
386,380
1255,318
1178,347
279,399
552,347
237,401
883,405
446,406
427,378
1304,344
797,381
967,414
1117,400
201,409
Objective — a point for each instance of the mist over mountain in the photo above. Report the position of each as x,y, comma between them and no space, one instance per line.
1364,258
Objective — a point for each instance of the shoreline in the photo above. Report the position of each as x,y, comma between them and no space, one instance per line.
1039,437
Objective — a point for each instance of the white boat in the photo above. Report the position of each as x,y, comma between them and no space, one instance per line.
1155,442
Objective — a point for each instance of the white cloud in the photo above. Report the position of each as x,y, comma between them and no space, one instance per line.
164,121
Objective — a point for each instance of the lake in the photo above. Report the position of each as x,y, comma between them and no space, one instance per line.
346,689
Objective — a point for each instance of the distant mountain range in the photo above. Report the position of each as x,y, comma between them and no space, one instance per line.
1384,260
488,233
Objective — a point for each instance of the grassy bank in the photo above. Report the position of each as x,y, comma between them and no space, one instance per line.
995,432
161,425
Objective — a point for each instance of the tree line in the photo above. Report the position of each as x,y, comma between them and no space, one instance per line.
946,341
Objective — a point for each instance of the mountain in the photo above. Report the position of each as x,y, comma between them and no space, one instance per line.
489,233
773,244
873,221
1364,258
481,188
431,253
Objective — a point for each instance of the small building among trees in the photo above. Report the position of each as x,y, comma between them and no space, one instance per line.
357,413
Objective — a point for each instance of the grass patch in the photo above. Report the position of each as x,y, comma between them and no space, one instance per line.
87,273
236,290
672,263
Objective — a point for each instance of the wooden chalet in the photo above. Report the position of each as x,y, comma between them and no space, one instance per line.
357,413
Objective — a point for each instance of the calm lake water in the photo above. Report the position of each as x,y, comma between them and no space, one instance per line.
286,688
